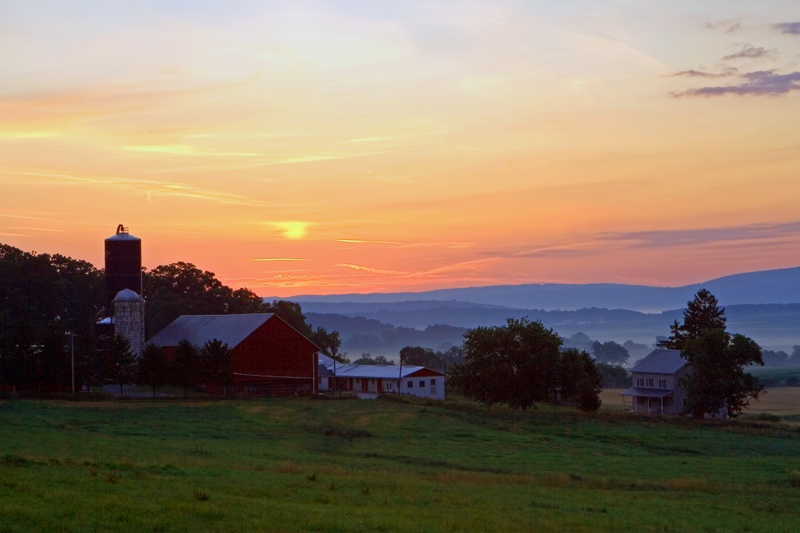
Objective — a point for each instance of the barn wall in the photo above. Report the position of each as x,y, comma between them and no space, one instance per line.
275,354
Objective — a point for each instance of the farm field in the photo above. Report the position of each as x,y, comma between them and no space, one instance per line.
780,401
386,465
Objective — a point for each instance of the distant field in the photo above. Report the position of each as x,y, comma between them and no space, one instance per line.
781,401
322,465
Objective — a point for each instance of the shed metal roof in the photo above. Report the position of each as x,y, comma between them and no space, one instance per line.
199,329
373,371
661,361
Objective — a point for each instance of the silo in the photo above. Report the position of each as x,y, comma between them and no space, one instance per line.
129,318
123,265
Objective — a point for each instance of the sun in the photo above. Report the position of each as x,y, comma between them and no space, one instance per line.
292,229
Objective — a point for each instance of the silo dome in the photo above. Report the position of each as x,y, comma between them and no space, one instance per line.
127,295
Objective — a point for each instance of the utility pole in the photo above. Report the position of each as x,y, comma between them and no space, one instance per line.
72,356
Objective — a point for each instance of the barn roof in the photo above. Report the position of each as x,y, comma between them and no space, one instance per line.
661,361
199,329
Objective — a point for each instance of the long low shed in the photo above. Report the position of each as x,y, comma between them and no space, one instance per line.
378,379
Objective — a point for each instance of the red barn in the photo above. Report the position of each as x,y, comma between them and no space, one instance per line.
269,356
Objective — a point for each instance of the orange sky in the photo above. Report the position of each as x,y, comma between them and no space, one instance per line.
330,147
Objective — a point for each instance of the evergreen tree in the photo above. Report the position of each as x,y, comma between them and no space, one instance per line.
701,314
153,368
185,369
218,362
120,361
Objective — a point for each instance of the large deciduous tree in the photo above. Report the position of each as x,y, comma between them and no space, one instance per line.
610,353
520,364
718,379
183,289
717,358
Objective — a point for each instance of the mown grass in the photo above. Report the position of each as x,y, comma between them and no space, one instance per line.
303,465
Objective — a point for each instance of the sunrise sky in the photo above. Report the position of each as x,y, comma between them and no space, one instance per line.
363,146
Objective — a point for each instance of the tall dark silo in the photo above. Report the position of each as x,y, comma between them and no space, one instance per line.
123,265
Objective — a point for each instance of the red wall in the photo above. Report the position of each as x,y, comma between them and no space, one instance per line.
424,373
275,349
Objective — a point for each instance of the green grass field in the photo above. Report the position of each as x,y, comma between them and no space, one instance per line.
317,465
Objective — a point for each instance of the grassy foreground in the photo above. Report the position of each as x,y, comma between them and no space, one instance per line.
316,465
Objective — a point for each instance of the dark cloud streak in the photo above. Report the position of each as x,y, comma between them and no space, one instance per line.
792,28
668,238
701,74
759,83
748,51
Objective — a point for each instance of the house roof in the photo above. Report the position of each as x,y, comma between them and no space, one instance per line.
661,361
647,393
199,329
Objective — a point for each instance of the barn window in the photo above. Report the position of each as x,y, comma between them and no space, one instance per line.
410,384
422,383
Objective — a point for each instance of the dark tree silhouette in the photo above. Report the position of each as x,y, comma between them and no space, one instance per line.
185,371
701,314
153,369
516,364
610,353
718,379
218,362
120,361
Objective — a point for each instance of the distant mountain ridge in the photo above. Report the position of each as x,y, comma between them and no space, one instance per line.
781,286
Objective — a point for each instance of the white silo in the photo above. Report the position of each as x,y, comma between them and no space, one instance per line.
129,318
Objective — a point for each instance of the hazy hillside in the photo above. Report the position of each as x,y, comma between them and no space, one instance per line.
765,287
380,329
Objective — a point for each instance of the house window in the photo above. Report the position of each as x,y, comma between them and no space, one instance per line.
662,383
640,382
410,384
641,400
433,383
650,382
422,383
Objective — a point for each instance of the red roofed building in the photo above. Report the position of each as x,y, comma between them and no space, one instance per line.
269,356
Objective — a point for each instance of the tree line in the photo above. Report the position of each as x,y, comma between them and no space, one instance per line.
49,305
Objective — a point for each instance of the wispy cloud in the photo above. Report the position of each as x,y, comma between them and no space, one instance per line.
759,83
702,236
27,217
730,71
150,189
370,269
792,28
407,244
185,149
730,26
748,51
17,135
258,259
